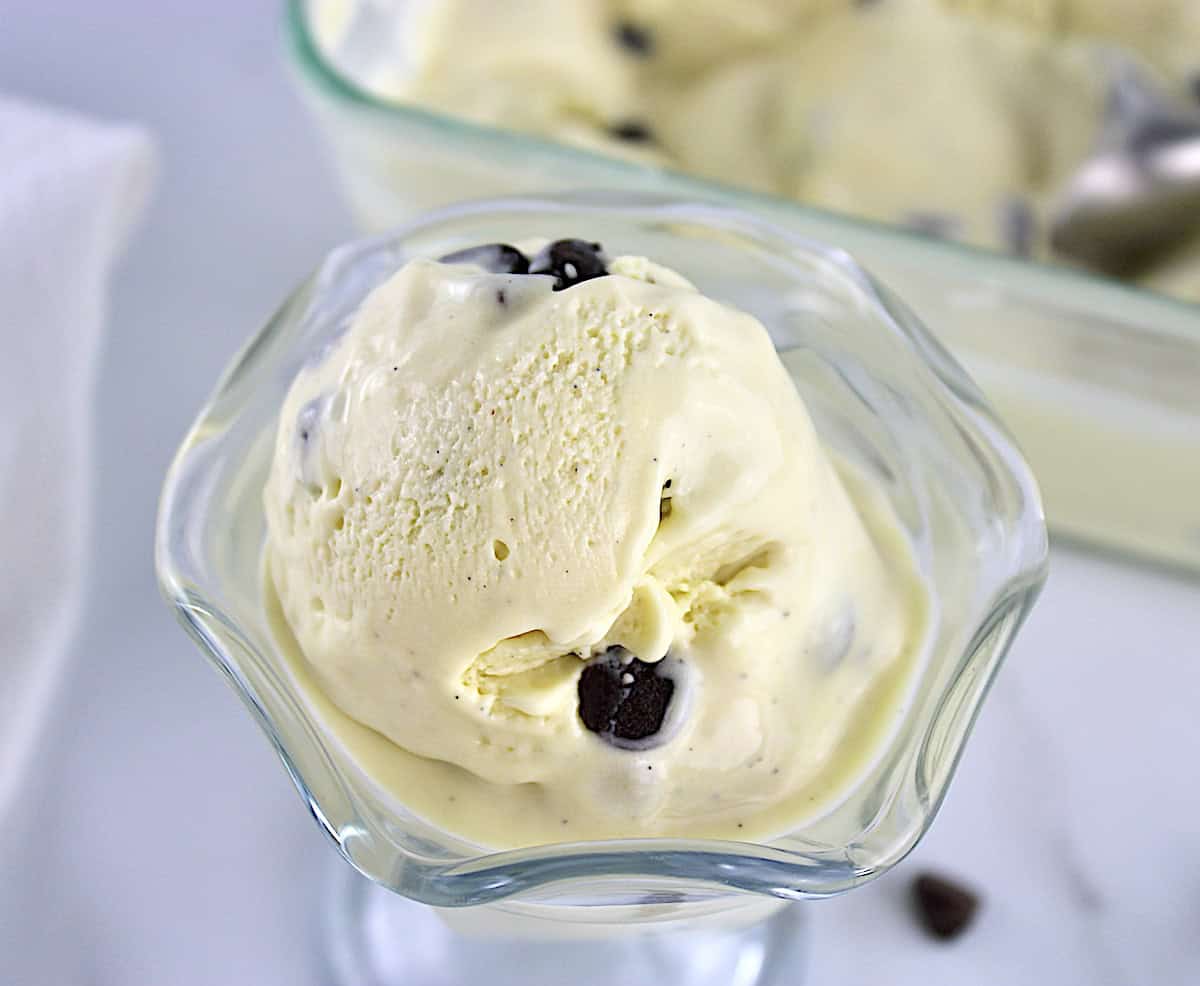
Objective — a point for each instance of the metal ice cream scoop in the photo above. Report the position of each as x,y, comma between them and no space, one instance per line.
1139,194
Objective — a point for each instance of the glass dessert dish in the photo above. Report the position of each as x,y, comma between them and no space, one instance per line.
1099,380
885,398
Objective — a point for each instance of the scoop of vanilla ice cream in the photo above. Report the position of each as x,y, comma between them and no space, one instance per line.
539,66
993,120
490,486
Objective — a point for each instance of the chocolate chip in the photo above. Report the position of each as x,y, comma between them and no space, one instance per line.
623,699
496,258
944,907
570,261
634,39
633,131
664,502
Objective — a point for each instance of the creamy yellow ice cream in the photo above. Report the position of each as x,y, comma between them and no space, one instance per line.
838,116
574,548
960,118
1164,32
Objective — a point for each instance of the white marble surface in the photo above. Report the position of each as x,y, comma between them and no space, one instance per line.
163,843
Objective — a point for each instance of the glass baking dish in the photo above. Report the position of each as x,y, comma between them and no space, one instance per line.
1099,381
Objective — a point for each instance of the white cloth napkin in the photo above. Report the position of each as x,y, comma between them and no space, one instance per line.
71,190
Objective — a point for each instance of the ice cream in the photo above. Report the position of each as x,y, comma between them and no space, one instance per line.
558,554
962,119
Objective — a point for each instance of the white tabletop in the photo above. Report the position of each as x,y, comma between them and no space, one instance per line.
164,844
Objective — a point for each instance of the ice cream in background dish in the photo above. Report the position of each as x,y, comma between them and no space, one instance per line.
964,119
559,530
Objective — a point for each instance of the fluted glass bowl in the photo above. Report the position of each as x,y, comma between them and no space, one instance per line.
883,394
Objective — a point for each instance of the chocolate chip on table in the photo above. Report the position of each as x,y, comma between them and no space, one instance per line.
945,908
570,261
633,131
622,698
635,39
496,258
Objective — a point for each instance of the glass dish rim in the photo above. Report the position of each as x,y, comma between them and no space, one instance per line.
743,865
306,55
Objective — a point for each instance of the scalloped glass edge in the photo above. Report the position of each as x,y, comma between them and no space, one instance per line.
439,869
